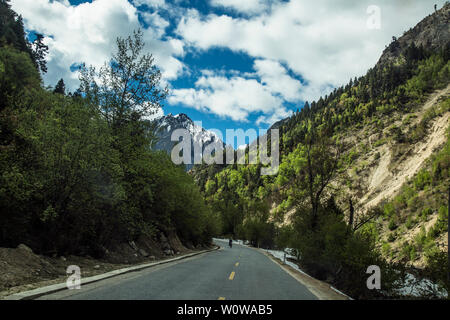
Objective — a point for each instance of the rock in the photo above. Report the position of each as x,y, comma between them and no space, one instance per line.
24,248
178,252
165,245
96,267
63,258
133,245
168,252
143,253
189,245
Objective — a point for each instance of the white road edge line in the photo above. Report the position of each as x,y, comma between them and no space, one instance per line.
35,293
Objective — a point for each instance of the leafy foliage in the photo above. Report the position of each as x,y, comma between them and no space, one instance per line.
78,173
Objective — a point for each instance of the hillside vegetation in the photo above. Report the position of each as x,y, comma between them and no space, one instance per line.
364,172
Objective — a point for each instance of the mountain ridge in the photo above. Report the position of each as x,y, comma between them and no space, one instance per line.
201,138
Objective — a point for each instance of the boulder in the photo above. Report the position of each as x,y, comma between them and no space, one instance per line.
189,245
168,252
24,248
165,245
133,245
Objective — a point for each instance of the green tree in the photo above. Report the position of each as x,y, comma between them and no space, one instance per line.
311,168
60,87
39,52
129,85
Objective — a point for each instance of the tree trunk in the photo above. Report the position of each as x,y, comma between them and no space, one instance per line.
352,212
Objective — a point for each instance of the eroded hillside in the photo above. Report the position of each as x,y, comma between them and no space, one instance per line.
379,149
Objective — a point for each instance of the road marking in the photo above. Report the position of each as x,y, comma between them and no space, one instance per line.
237,264
221,298
231,276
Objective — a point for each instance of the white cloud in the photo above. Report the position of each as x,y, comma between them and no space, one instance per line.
150,3
275,77
238,96
87,33
325,42
234,97
156,22
65,2
243,6
275,117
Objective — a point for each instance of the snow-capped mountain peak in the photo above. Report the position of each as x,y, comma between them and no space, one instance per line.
166,125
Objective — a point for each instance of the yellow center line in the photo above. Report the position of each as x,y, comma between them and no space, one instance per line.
237,264
231,276
221,298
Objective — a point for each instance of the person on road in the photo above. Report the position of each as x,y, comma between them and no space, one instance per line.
230,243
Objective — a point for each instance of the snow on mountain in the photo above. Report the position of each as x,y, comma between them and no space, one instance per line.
166,125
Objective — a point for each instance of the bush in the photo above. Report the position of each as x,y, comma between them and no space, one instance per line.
334,253
379,142
426,212
422,179
386,249
391,237
413,203
437,268
389,210
392,225
410,222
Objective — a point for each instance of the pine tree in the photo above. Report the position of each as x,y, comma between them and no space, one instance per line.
39,52
60,87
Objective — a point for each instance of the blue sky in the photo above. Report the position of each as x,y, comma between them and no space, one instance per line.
228,63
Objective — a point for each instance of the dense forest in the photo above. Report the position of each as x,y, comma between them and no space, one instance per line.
77,170
332,242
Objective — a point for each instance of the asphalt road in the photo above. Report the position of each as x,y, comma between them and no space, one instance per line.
238,273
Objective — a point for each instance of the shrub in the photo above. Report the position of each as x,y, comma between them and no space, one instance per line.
425,214
386,248
422,179
389,210
392,225
413,203
379,142
410,222
391,237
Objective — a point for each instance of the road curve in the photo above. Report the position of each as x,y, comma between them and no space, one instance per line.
238,273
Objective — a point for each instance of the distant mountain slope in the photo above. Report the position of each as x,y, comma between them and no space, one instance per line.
166,125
